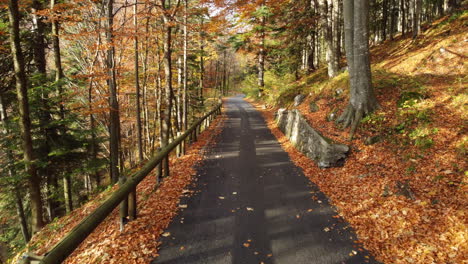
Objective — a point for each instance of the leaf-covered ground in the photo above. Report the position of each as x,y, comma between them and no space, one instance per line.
138,243
406,196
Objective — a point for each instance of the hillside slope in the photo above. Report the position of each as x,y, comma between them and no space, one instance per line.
405,190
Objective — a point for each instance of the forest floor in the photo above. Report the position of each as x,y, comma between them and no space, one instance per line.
156,208
405,195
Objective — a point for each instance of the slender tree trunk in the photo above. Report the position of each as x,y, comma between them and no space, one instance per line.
56,45
167,59
417,6
202,60
185,71
178,108
25,121
384,19
261,59
114,126
137,86
113,103
326,8
393,18
21,216
39,41
403,17
11,173
92,124
224,88
67,190
132,198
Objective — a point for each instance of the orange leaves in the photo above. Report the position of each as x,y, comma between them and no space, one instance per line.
138,243
393,228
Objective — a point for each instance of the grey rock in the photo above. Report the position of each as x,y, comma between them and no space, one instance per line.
372,140
313,107
339,91
309,141
299,99
332,115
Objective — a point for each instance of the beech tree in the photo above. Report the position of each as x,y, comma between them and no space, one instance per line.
362,100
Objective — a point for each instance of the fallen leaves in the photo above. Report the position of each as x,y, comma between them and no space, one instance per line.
138,242
420,230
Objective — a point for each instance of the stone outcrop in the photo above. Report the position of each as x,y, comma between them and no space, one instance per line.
309,141
299,99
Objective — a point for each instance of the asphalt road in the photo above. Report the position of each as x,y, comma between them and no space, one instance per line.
252,205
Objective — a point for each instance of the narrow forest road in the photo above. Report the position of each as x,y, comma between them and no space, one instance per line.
253,205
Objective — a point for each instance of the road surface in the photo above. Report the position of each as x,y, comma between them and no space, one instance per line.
252,205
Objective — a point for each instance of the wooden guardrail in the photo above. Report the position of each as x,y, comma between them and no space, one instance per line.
71,241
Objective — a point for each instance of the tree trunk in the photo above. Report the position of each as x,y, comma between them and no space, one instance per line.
362,99
137,86
403,16
56,45
202,66
114,126
261,59
384,19
67,190
417,6
25,121
185,71
327,8
39,41
11,174
168,75
92,124
178,99
21,216
224,88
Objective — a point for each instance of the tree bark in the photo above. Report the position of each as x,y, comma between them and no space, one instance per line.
21,216
167,60
25,121
417,6
185,71
202,66
67,190
403,16
114,126
384,19
137,86
326,8
261,58
362,99
39,40
11,174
